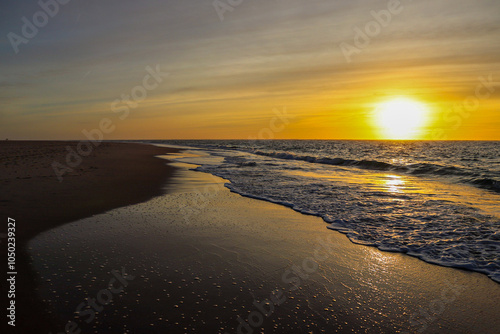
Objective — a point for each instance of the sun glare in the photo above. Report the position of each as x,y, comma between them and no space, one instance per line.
401,118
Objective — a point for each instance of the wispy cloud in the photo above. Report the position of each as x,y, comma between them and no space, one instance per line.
264,52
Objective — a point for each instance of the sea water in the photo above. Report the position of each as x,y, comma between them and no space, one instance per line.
438,201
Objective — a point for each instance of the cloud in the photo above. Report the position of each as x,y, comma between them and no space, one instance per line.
263,52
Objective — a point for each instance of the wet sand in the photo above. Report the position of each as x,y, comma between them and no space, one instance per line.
111,176
203,259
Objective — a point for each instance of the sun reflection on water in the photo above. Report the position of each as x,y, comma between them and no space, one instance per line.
394,184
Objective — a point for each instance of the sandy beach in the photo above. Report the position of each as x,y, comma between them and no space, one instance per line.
202,259
113,175
250,167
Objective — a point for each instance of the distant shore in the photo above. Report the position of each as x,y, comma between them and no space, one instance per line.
111,176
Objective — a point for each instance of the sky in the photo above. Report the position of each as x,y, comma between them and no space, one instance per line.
239,69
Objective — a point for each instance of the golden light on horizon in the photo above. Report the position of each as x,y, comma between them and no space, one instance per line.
401,118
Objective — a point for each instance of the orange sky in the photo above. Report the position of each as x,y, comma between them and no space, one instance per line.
228,79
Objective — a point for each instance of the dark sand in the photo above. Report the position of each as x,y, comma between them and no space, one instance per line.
202,257
205,260
113,175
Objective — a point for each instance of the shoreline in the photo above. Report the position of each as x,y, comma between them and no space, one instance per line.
239,263
234,256
113,175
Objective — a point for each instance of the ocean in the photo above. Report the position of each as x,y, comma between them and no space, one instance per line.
438,201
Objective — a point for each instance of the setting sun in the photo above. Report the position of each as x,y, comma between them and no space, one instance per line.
215,154
401,118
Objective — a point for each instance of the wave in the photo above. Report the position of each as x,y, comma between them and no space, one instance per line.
436,226
436,231
465,175
487,183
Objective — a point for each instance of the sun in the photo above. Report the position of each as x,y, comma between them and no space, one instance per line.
401,118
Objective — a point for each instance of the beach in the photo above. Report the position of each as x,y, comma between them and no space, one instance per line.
230,166
111,176
249,167
200,258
